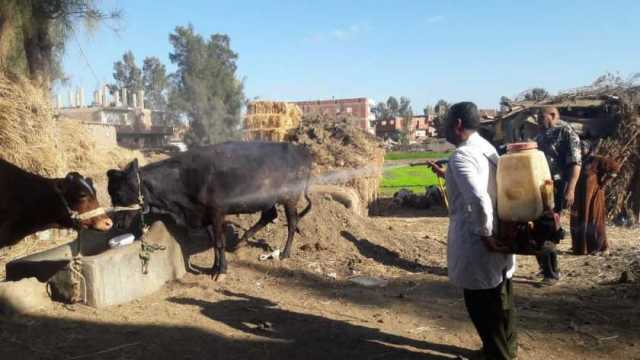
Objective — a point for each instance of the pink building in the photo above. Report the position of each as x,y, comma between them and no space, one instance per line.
421,127
357,108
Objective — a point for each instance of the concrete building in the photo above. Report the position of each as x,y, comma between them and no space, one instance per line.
357,108
135,126
421,127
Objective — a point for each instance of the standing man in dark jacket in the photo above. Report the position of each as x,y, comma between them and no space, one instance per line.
561,146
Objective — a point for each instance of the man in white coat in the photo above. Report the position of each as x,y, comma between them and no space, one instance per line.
474,263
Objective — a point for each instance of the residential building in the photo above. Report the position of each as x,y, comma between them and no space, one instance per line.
387,128
357,108
421,127
135,126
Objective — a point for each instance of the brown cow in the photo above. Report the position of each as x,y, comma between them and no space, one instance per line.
31,203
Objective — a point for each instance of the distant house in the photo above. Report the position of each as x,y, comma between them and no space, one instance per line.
357,108
135,126
389,127
421,127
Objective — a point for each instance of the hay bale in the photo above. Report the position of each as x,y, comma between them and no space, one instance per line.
270,120
273,107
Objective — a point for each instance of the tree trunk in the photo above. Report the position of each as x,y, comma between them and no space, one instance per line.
39,51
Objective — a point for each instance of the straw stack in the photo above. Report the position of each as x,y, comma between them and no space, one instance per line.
27,130
32,139
270,120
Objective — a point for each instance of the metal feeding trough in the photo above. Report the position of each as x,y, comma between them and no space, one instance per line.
88,270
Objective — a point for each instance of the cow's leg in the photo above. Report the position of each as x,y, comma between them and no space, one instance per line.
266,217
292,224
216,234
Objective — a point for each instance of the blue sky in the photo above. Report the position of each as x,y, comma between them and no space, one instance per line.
425,50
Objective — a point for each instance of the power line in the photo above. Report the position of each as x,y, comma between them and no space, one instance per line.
84,56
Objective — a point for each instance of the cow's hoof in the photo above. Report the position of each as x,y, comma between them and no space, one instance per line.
236,247
192,268
219,277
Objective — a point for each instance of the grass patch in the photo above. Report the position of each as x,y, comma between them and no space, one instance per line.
415,178
413,155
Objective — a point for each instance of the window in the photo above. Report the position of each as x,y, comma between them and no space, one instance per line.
384,123
392,122
349,110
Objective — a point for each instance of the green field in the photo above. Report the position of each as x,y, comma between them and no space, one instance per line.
414,178
415,155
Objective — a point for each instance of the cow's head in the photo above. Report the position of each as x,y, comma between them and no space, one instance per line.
124,188
84,209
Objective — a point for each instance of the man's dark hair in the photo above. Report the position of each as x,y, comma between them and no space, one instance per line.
467,112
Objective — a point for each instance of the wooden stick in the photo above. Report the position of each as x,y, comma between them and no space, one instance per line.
104,351
608,338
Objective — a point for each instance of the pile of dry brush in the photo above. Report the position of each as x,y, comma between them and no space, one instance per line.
343,154
623,194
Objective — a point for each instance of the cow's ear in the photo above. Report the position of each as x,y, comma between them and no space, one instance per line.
113,173
72,176
70,179
132,167
65,184
90,182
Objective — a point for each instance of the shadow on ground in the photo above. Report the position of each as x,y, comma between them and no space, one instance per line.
383,207
294,335
387,257
277,334
595,321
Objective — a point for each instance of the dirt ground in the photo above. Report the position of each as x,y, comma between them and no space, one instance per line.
307,308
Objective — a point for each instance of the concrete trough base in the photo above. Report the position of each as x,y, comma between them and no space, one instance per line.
110,276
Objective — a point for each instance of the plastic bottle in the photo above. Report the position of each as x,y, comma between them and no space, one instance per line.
121,240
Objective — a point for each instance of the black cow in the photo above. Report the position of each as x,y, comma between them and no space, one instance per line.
199,187
30,203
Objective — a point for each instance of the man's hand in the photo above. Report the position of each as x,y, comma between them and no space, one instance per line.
493,245
437,169
569,192
569,198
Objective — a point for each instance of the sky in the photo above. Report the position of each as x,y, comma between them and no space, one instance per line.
424,50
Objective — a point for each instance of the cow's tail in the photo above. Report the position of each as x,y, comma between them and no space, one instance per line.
306,210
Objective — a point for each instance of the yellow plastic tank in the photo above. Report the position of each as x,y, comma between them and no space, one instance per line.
521,177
